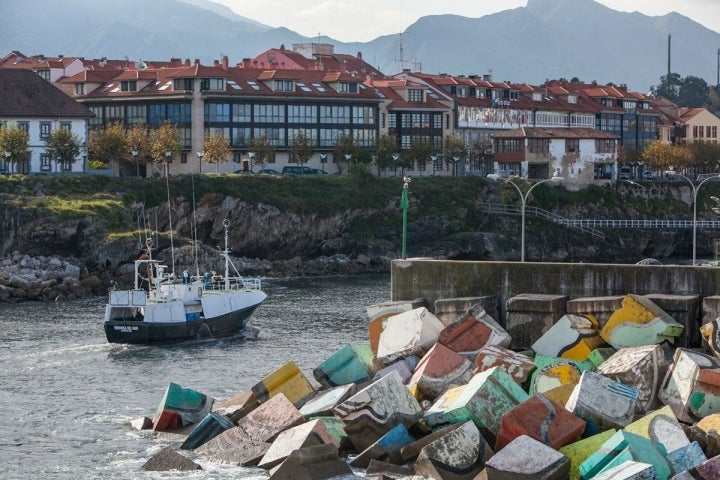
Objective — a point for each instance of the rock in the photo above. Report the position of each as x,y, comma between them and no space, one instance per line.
312,463
168,459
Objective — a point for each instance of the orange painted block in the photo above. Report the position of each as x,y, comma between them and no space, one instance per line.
472,331
515,364
439,369
542,419
379,313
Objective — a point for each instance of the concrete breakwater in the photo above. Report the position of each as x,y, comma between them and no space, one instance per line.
25,278
555,387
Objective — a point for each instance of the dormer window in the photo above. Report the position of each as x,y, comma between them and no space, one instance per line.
572,99
212,84
183,84
537,97
629,104
513,95
284,86
348,87
128,86
44,74
415,95
79,89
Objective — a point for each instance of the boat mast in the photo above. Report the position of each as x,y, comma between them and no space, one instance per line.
226,224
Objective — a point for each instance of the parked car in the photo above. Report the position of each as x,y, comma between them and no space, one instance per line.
649,175
297,170
317,171
267,171
625,173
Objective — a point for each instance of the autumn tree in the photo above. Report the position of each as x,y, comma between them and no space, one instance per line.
14,146
63,146
262,149
216,149
138,145
454,150
108,144
385,147
419,153
661,156
346,151
164,145
301,148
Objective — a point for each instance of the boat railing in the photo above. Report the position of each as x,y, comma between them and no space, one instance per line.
217,283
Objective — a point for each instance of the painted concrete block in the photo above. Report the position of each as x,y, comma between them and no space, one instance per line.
336,428
526,458
709,470
579,451
405,367
380,312
709,312
237,406
602,403
560,394
209,427
541,419
685,309
687,457
439,369
530,315
376,409
409,333
387,448
410,452
317,462
326,400
448,310
483,400
661,426
304,435
625,446
517,365
710,333
642,368
629,470
288,380
472,331
640,322
272,417
598,308
691,386
459,454
181,407
235,447
552,372
573,336
353,363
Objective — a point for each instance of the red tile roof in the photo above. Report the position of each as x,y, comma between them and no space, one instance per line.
24,94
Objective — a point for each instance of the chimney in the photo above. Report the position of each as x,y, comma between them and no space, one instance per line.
187,62
359,55
225,62
197,61
216,63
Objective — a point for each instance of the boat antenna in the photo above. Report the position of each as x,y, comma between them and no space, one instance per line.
195,241
172,248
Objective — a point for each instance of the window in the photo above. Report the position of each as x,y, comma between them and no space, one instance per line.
537,97
128,85
24,126
98,118
114,113
270,113
156,113
276,136
538,145
79,89
572,145
382,120
415,95
178,112
329,136
183,84
45,128
604,146
183,157
66,126
363,115
334,114
310,133
211,84
239,137
302,114
44,74
364,137
185,136
136,114
241,113
509,145
348,87
284,86
217,112
44,162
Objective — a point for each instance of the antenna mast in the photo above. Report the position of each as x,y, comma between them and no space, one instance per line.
401,49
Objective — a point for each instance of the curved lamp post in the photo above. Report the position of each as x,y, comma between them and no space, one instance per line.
695,188
524,197
404,204
168,155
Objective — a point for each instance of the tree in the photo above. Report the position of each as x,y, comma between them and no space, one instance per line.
164,144
108,144
661,156
385,147
454,150
419,152
63,146
301,148
14,145
692,92
138,140
346,150
216,149
263,150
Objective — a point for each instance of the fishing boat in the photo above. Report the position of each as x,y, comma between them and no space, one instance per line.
162,308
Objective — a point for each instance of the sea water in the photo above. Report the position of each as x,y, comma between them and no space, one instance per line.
66,395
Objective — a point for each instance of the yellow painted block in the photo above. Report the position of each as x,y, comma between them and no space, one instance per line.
288,380
710,334
639,322
579,451
560,394
710,423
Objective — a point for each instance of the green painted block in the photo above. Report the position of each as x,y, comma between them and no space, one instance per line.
351,364
579,451
552,372
623,446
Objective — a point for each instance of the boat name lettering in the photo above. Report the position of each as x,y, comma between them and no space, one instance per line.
126,328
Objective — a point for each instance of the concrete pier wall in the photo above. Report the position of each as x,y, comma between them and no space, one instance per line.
438,279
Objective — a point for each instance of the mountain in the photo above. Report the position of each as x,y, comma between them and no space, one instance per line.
546,39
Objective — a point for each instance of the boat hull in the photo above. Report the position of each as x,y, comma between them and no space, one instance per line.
142,332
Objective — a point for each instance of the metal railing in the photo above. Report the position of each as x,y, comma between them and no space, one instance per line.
503,208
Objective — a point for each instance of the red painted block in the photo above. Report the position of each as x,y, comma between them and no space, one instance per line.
473,331
542,419
515,364
439,369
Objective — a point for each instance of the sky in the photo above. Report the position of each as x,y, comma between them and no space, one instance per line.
361,21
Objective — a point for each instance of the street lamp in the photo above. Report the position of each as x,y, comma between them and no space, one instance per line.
404,204
524,197
134,154
396,157
8,163
695,188
433,158
168,154
200,157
